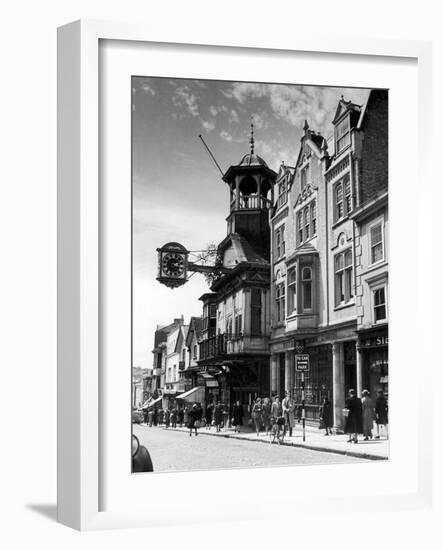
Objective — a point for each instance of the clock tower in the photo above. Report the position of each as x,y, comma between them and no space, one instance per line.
251,186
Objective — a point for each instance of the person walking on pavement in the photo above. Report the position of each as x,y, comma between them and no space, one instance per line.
326,416
354,423
180,416
208,415
173,418
150,417
218,416
256,415
381,413
193,419
155,416
167,417
237,416
368,414
186,416
288,407
266,414
277,420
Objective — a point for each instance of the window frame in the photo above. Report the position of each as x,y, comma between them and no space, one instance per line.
280,301
304,282
342,137
379,221
280,246
346,201
292,290
282,193
344,274
383,286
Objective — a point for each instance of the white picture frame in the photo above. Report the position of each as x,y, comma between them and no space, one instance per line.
80,437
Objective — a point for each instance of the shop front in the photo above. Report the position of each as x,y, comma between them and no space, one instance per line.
373,345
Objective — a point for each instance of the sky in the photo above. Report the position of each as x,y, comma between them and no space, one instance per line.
178,193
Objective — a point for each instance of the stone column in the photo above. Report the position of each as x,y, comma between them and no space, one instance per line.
288,371
338,377
274,374
359,367
237,192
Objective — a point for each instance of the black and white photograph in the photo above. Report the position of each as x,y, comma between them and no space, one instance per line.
260,261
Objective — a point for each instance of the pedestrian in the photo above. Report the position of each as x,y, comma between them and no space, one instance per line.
193,419
150,418
145,411
218,416
256,415
368,414
155,416
186,416
288,407
237,416
180,415
326,416
353,416
277,421
173,418
161,416
167,417
266,414
381,413
208,415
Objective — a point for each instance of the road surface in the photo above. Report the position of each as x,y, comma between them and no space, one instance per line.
172,450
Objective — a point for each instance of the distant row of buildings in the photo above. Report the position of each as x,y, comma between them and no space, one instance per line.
305,271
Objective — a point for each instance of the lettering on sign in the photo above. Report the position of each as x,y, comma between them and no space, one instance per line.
302,362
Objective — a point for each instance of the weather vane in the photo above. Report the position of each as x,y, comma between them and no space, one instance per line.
251,140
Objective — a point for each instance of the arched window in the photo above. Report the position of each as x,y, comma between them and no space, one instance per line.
306,280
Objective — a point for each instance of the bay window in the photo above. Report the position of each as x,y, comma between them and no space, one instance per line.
292,290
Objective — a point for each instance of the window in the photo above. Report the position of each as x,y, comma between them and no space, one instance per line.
379,304
229,327
292,290
342,198
342,134
238,325
376,236
282,193
256,312
300,227
306,222
280,302
280,242
194,352
313,218
306,281
343,277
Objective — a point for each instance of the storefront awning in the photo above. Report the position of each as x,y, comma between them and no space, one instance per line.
196,394
154,402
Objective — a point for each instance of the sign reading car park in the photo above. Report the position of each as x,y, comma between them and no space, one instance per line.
302,362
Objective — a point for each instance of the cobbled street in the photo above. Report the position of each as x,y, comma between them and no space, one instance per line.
172,450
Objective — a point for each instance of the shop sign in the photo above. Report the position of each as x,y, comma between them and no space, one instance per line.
302,362
375,341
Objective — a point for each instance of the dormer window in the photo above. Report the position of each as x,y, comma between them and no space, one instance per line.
342,135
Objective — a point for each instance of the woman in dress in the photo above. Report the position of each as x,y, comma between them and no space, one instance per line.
381,413
208,415
193,419
353,424
326,416
218,416
368,414
256,415
237,416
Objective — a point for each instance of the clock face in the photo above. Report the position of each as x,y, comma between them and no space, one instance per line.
173,264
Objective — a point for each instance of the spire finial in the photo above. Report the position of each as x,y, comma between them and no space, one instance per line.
251,140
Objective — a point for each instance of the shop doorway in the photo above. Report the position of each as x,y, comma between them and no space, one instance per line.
350,366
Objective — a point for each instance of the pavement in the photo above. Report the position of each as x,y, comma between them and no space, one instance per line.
374,449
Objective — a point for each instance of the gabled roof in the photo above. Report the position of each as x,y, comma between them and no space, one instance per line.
243,249
182,332
314,140
345,107
195,327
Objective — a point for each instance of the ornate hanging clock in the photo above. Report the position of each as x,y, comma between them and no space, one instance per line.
172,264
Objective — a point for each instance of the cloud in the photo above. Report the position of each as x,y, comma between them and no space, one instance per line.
226,135
213,110
184,97
233,116
294,104
208,125
147,88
